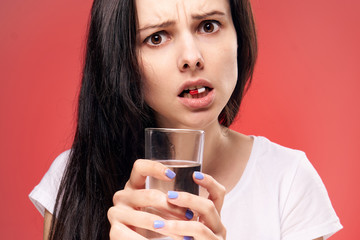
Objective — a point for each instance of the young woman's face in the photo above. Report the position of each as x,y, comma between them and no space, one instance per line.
187,52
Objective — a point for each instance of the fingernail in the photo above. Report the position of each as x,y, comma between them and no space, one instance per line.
159,224
172,194
189,214
187,238
199,175
170,174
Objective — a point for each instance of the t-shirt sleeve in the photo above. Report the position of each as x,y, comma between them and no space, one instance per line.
307,213
43,196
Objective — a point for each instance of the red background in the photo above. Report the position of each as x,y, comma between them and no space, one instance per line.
304,95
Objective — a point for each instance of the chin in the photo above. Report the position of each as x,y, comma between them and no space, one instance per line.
200,120
199,123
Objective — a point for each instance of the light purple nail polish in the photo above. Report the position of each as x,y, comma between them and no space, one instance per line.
199,175
170,174
172,194
188,238
159,224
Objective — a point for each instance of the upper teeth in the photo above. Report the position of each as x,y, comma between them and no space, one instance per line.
196,87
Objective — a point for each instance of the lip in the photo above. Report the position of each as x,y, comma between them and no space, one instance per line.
197,103
199,82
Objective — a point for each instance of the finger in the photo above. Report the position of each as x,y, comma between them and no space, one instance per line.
124,216
204,207
119,231
194,229
215,189
144,198
143,168
131,217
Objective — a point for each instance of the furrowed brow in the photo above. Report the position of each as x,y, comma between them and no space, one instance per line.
206,15
160,25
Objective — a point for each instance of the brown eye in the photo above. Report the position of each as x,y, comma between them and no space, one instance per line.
208,27
155,39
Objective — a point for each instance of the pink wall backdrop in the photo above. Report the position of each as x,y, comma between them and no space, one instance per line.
304,95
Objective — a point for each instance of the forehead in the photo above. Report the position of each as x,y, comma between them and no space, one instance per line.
163,10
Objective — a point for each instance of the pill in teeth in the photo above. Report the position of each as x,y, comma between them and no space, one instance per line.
197,91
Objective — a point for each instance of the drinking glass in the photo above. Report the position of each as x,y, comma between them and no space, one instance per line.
181,150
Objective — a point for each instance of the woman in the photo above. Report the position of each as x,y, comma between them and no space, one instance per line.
143,58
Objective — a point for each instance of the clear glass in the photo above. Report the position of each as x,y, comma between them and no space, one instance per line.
181,150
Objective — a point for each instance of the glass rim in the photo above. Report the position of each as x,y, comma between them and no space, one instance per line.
181,130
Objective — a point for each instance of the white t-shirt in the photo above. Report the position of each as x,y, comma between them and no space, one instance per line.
279,196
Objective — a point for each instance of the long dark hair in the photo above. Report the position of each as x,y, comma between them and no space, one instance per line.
112,116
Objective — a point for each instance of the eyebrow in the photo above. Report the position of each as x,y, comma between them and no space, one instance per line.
209,14
160,25
171,22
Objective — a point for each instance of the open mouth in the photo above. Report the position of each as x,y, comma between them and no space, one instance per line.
195,92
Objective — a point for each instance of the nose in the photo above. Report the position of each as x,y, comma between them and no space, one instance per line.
190,57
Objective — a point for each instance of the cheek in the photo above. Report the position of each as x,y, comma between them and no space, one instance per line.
153,67
226,65
230,53
148,73
152,80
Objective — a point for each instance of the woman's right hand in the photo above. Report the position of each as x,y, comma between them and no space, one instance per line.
126,216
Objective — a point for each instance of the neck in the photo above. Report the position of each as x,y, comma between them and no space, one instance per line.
216,139
226,154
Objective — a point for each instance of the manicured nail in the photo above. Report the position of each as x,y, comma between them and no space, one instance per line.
170,174
199,175
189,214
187,238
172,194
158,224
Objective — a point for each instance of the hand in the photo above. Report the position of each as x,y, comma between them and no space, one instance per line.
209,225
126,216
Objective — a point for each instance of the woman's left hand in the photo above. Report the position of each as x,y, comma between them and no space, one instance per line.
208,210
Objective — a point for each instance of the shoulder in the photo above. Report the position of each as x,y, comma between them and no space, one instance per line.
285,165
289,169
269,149
283,169
44,194
286,178
57,168
275,157
60,161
